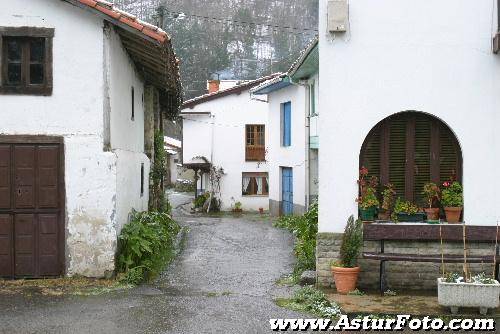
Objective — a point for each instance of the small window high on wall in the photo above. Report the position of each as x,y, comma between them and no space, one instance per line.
410,149
255,184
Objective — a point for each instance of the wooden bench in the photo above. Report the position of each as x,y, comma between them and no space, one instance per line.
412,232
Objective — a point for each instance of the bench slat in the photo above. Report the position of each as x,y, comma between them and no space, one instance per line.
429,258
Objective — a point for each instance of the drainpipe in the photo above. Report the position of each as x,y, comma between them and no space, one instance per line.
212,117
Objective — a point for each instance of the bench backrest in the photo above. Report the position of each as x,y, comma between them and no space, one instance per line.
424,232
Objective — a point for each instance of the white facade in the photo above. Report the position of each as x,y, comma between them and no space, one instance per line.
101,186
215,129
293,156
429,56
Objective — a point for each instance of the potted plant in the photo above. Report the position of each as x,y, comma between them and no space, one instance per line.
237,207
432,195
345,271
478,291
452,201
406,211
388,196
367,200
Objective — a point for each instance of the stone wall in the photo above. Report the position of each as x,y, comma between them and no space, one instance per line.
400,275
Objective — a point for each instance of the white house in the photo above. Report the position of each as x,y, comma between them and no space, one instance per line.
173,148
409,89
79,97
293,137
228,129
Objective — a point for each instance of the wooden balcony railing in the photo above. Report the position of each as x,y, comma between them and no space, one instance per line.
255,153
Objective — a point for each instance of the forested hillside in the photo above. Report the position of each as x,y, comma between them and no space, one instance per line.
230,39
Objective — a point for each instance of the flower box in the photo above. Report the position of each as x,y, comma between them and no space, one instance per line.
455,295
411,218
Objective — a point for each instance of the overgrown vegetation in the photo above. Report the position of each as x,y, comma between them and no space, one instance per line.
309,299
305,229
200,200
145,246
158,200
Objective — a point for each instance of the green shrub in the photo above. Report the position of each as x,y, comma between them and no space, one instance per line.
145,245
305,229
200,200
352,241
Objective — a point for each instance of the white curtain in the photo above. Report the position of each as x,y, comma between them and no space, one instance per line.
259,185
246,182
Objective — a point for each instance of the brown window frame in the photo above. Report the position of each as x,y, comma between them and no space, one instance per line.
253,186
26,34
255,151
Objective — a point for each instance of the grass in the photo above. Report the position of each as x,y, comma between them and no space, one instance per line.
288,280
79,286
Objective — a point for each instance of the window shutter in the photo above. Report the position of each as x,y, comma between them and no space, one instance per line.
371,154
449,156
422,157
397,154
287,124
421,149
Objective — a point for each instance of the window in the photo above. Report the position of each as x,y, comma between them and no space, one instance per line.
133,103
410,149
286,124
142,179
26,66
312,93
255,184
255,143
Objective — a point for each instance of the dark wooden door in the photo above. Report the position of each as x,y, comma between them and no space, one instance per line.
31,206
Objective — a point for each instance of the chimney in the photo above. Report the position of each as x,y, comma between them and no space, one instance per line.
213,86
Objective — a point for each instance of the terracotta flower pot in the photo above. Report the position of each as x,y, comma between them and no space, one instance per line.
453,214
432,213
384,215
345,278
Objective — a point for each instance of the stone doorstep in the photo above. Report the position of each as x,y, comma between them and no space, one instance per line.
424,304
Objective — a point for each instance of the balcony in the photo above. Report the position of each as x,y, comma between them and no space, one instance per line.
255,153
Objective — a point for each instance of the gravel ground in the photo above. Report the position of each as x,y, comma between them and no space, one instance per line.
223,281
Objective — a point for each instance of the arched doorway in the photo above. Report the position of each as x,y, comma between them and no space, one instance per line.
409,149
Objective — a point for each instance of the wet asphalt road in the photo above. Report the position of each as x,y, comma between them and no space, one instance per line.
223,281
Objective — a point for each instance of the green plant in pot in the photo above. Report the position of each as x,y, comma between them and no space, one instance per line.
367,200
406,211
452,201
388,197
346,270
238,207
432,195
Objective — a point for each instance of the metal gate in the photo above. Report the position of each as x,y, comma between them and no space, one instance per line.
31,207
287,191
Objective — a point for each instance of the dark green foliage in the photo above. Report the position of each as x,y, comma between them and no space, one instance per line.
352,241
145,245
158,201
305,229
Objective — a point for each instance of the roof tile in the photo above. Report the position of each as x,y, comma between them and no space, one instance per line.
147,29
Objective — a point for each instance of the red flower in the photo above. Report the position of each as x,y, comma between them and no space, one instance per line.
446,184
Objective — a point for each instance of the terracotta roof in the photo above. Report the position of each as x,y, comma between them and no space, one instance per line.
149,47
233,90
127,18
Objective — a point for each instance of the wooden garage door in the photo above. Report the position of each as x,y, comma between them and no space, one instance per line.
31,209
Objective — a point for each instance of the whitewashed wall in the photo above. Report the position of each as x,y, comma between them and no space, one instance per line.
75,112
230,115
127,134
429,56
293,156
